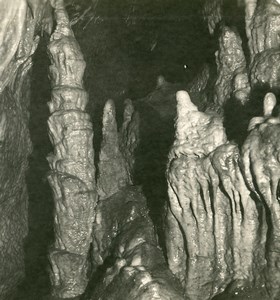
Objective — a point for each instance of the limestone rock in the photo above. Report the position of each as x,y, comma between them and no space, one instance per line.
72,176
116,157
261,167
265,69
124,230
212,11
18,41
263,25
231,68
213,224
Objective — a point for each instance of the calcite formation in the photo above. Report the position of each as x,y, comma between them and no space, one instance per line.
231,68
116,157
261,169
212,12
72,175
221,219
262,27
123,231
199,86
265,69
19,27
216,231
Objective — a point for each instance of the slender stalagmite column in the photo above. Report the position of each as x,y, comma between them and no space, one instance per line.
72,175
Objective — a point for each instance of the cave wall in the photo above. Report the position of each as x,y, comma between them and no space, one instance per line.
20,24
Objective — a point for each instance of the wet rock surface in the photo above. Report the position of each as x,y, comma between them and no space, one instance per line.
123,230
72,175
18,41
132,222
231,68
217,224
116,156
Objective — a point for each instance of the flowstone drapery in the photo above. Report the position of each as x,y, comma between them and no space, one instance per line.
218,228
222,220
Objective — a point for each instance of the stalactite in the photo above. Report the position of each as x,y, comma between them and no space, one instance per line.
72,175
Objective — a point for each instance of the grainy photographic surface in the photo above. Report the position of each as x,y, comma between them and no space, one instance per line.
139,149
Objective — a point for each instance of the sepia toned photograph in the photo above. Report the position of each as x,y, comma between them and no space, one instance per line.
139,149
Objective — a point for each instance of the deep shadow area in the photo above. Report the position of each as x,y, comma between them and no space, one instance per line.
36,284
156,137
126,47
238,116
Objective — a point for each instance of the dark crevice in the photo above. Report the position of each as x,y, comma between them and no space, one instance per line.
40,211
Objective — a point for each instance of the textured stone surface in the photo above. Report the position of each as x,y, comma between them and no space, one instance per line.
263,25
19,27
72,175
212,12
124,230
116,157
265,69
215,233
231,68
262,28
261,166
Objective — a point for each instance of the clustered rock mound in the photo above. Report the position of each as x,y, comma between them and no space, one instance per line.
221,220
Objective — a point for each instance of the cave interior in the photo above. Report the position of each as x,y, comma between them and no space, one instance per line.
139,149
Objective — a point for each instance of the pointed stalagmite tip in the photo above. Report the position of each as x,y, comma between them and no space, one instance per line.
184,103
109,116
109,107
269,104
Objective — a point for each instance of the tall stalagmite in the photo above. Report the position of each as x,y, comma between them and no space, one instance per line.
215,233
72,175
262,172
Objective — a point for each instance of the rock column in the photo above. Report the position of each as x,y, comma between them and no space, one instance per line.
72,175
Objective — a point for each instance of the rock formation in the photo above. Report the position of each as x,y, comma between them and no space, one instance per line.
213,14
262,27
19,27
116,157
216,224
221,216
72,175
231,69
